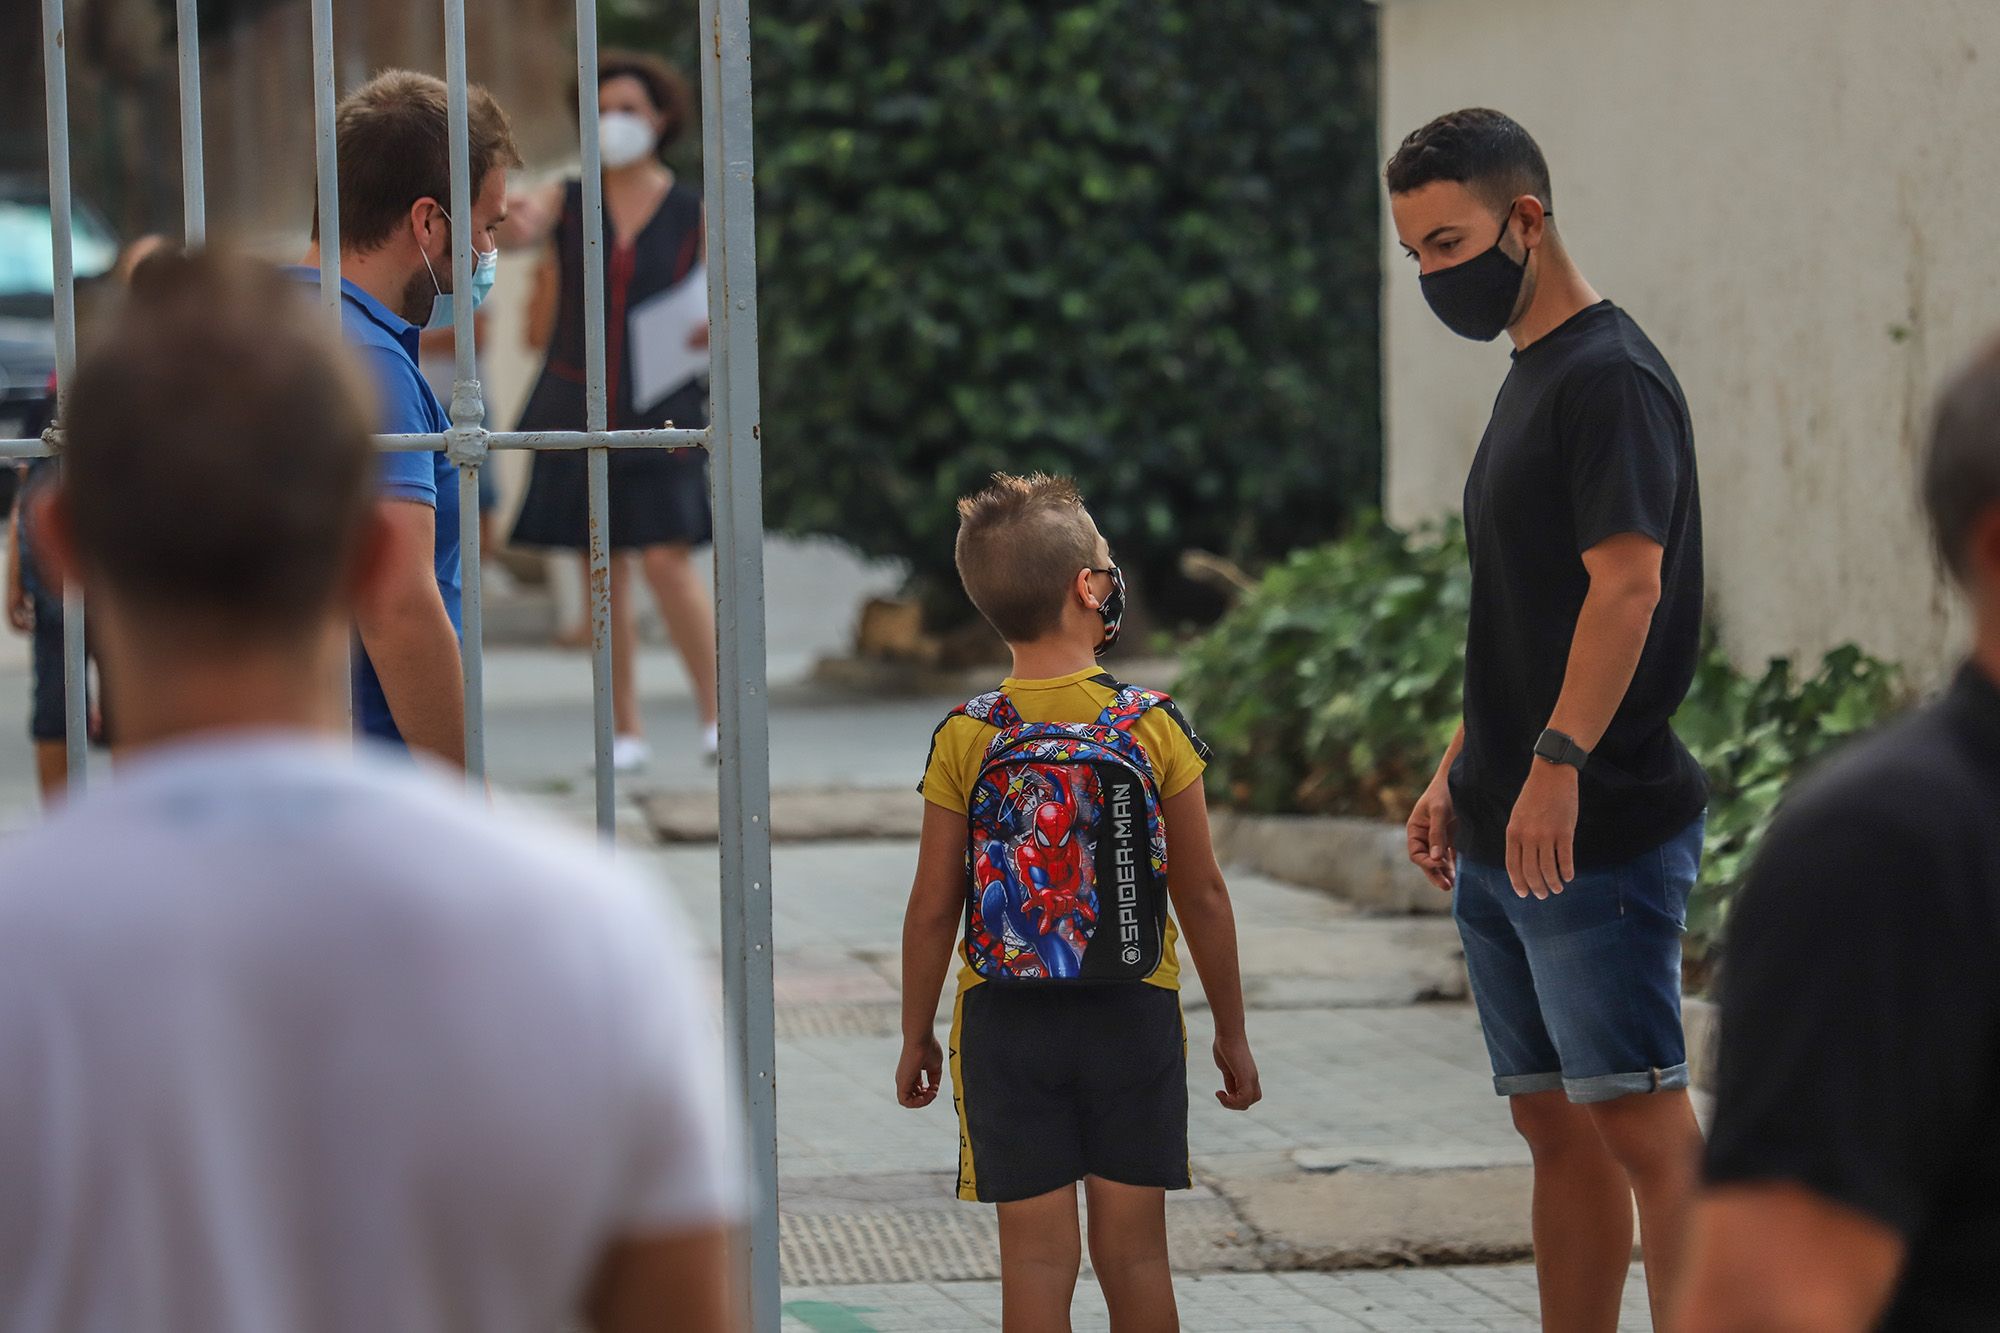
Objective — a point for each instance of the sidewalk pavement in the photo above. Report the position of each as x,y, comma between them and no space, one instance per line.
1409,1300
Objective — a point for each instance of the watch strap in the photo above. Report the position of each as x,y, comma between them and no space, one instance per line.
1558,748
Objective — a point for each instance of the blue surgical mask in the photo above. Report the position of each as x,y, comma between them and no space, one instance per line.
485,269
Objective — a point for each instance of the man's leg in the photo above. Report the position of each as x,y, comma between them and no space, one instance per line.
1040,1253
1128,1252
1657,1143
1582,1215
1607,955
1582,1204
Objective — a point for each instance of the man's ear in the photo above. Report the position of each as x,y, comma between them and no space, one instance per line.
1534,220
55,538
425,215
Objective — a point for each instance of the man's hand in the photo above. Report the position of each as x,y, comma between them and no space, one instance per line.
920,1073
1430,831
20,605
1240,1087
1542,833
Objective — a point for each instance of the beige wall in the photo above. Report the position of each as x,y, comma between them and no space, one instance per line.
1797,200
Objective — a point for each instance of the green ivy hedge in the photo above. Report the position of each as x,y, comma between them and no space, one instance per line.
1131,240
1334,687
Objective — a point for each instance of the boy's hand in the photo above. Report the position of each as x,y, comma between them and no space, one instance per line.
1240,1088
920,1072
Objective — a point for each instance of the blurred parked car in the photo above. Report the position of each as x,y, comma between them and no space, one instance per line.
27,298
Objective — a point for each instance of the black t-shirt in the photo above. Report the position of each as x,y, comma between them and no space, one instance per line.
1589,439
1861,1002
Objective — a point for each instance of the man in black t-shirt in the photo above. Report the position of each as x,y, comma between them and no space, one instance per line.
1566,817
1854,1167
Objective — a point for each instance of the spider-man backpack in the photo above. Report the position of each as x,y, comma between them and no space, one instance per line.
1066,861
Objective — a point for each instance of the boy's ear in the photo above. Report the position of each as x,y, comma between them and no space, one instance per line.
55,538
1083,592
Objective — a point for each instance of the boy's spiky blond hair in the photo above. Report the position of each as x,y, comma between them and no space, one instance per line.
1021,543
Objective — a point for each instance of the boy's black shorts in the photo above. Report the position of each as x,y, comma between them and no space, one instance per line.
1056,1082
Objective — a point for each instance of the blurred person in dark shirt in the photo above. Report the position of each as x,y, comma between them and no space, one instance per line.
1854,1163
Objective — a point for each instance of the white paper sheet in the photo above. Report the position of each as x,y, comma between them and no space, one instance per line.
660,330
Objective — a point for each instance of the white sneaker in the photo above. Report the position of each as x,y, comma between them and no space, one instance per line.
630,754
711,742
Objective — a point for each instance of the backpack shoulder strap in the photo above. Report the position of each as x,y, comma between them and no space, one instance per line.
992,708
1129,703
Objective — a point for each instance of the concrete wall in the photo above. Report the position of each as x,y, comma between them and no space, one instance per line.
1796,199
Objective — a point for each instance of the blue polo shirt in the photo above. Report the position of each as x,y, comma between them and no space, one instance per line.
388,345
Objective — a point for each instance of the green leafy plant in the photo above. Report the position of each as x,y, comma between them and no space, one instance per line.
1334,687
1755,735
1131,240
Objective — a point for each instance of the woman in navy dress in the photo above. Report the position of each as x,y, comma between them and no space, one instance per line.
659,510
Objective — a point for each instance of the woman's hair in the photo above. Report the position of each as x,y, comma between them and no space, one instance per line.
666,88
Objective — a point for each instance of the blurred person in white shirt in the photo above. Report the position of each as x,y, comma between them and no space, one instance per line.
294,1037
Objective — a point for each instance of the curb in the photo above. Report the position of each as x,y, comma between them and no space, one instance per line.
1359,861
884,677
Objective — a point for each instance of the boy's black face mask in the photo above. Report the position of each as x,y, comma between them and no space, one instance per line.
1113,608
1476,299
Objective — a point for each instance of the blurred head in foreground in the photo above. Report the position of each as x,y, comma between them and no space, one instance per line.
216,498
1961,483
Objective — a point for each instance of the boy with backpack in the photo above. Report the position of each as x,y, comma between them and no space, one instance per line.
1062,812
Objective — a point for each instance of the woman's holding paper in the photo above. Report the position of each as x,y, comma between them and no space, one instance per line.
656,361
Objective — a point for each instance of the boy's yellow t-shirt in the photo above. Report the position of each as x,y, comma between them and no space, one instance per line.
958,751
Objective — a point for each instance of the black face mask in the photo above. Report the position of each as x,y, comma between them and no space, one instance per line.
1476,299
1113,608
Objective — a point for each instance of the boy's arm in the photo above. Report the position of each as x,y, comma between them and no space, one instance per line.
930,925
1208,924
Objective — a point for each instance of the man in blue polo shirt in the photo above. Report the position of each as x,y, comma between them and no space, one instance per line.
395,265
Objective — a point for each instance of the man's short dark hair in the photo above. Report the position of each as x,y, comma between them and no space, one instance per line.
1961,469
395,148
218,471
1486,152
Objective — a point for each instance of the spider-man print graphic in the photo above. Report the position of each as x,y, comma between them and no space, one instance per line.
1035,899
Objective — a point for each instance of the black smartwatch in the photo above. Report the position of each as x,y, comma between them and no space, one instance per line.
1560,749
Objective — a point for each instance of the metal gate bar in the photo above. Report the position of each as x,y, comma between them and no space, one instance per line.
733,439
736,452
465,442
55,87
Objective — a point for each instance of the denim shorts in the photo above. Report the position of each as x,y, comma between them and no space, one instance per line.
1582,990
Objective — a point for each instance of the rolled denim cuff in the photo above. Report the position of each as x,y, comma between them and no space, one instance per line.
1610,1087
1520,1085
